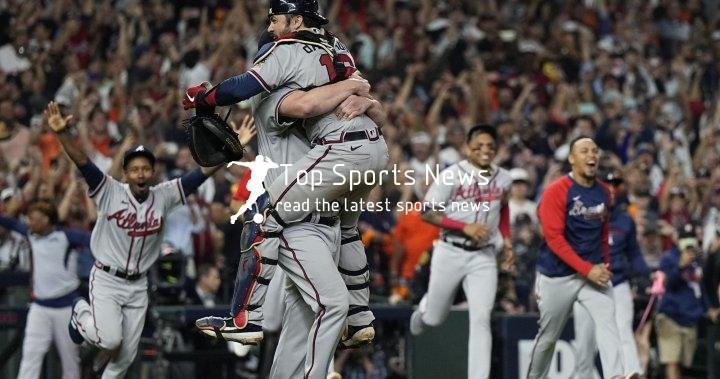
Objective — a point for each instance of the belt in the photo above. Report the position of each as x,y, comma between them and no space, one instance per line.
322,220
465,246
311,218
119,273
370,134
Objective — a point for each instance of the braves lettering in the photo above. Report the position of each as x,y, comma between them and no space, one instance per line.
125,219
589,213
478,193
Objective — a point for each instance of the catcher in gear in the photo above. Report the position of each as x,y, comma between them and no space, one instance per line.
290,51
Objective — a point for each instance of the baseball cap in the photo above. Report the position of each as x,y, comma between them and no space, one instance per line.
421,138
613,178
643,192
677,191
645,148
138,151
7,193
519,175
686,237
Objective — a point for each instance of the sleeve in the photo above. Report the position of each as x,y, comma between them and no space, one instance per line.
670,267
171,193
102,195
551,213
633,250
279,122
504,225
77,238
191,181
235,89
14,224
93,176
241,193
272,71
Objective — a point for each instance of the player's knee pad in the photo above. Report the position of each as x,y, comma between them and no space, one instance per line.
254,233
256,268
355,271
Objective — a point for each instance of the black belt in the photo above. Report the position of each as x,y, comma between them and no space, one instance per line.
323,220
371,135
464,246
119,273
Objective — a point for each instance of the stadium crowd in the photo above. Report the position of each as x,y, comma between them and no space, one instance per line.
641,77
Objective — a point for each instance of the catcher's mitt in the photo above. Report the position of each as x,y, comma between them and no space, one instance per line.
211,140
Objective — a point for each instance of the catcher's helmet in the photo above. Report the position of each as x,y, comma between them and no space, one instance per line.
305,8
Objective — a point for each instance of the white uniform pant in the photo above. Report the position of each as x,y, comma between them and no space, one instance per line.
44,326
556,297
585,343
477,272
114,318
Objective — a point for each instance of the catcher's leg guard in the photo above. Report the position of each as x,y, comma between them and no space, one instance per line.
355,272
258,260
254,233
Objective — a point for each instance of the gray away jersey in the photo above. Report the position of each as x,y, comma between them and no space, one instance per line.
305,66
463,193
128,234
281,142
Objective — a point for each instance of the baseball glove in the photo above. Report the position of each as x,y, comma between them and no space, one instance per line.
211,140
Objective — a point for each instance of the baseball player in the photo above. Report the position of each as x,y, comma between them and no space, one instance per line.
301,63
278,142
125,243
54,288
573,265
474,216
625,257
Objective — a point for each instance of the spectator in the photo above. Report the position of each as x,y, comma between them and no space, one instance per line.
206,287
526,243
683,304
204,293
412,237
519,193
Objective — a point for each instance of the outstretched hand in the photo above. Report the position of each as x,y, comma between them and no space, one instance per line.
246,130
55,119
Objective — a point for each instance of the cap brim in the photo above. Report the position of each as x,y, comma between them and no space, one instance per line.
135,154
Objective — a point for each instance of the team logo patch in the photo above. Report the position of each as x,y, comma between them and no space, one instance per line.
588,213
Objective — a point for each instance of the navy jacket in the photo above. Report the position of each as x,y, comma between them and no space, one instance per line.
625,255
684,300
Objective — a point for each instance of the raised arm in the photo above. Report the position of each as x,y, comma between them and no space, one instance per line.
59,125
